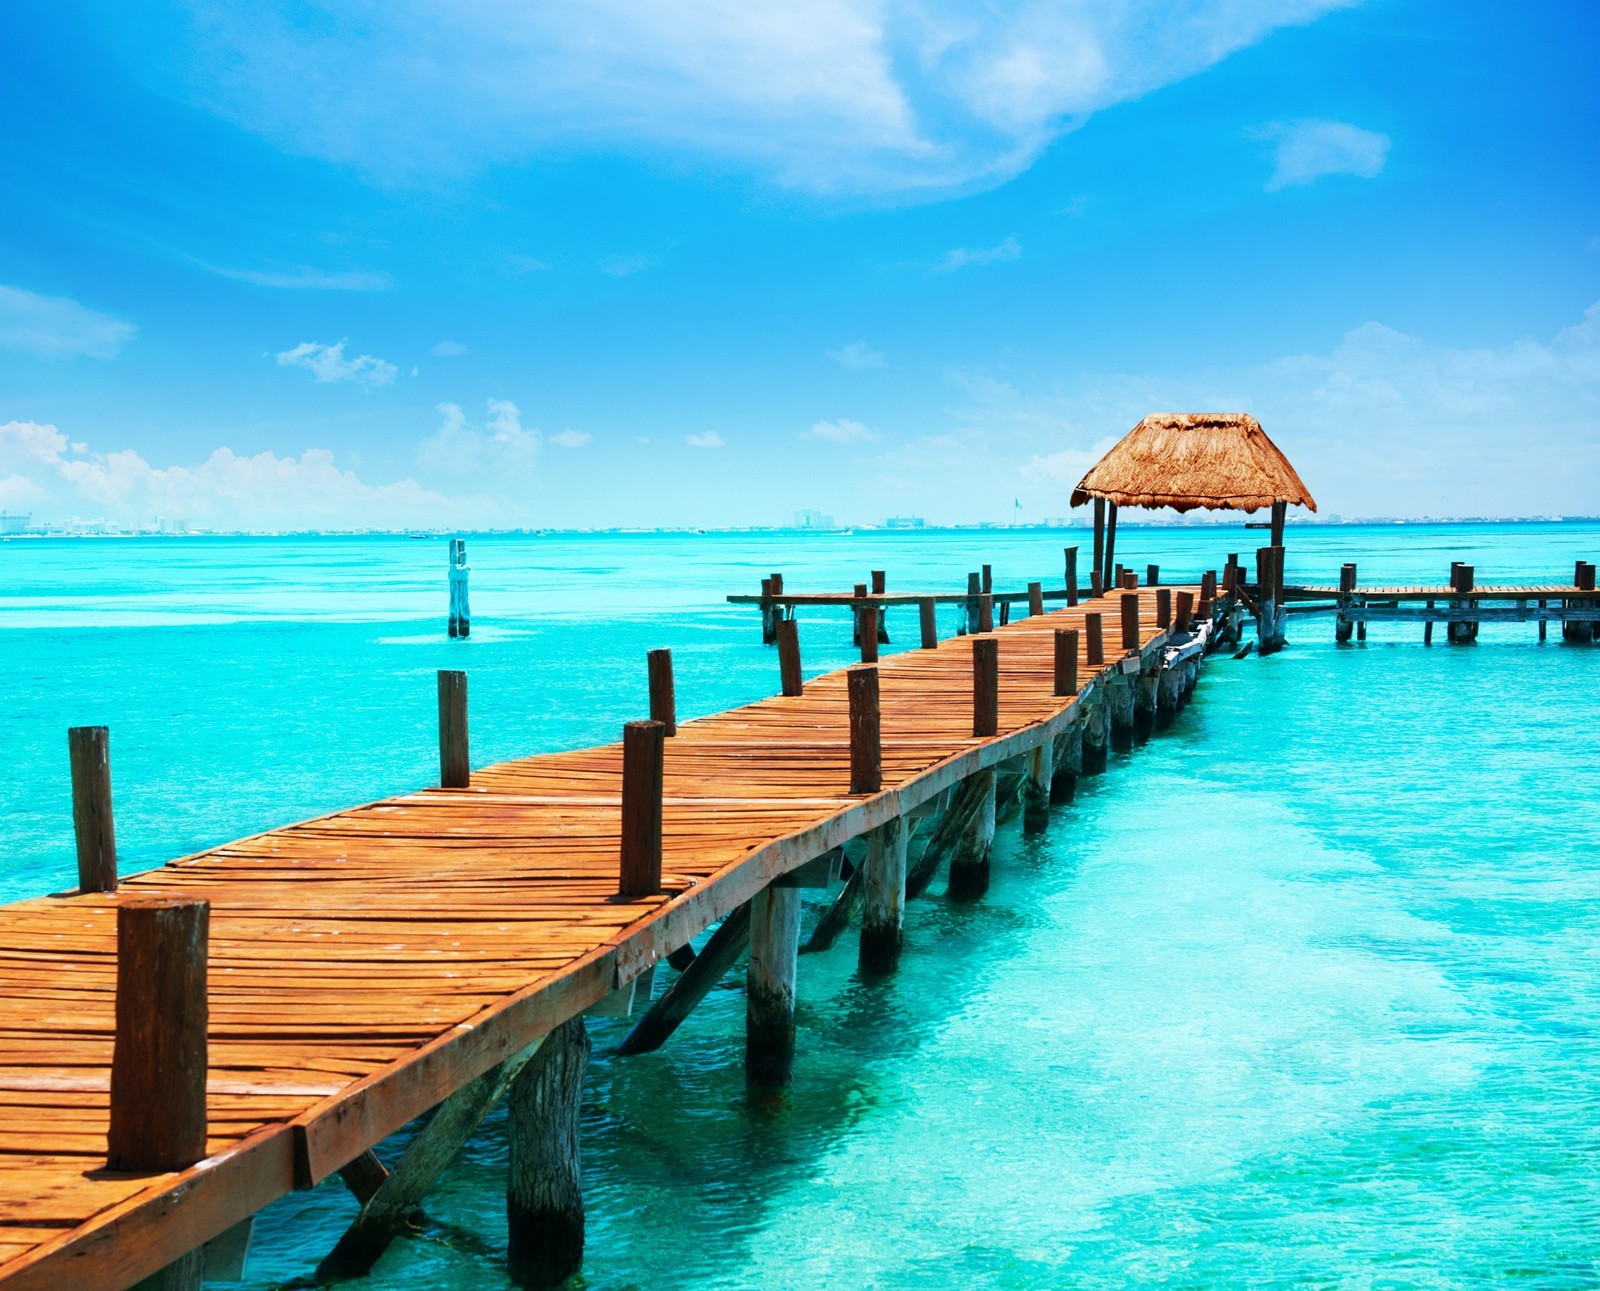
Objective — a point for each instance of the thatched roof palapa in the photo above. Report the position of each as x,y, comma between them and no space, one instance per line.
1185,460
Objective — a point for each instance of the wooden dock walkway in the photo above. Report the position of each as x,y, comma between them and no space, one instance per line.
366,965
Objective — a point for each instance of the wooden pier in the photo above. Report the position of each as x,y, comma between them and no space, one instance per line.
367,966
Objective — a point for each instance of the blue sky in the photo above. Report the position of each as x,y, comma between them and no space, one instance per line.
282,265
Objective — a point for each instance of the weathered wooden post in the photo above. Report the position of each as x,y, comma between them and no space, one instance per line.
885,898
1266,602
770,983
1183,613
455,763
1111,535
1097,577
926,612
860,593
1119,707
1094,639
789,657
985,686
969,862
987,587
1280,511
1164,607
158,1057
1461,632
866,742
663,695
1072,575
769,614
89,754
1094,724
879,587
867,631
1152,575
1035,599
1343,625
1066,662
1036,788
1131,637
974,590
460,610
544,1178
643,767
986,612
1573,630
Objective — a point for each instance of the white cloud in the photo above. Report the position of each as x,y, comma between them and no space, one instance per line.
709,439
328,363
571,438
961,257
448,350
303,278
500,453
1310,150
619,266
843,431
54,327
827,95
857,355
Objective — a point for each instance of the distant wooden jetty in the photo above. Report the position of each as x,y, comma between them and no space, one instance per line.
181,1047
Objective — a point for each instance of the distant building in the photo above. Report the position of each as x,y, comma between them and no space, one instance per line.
11,523
812,520
905,522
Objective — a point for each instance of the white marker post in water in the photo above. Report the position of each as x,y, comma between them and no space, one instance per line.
460,611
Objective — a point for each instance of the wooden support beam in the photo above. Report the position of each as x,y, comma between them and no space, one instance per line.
1072,575
643,757
946,836
455,763
89,754
663,695
769,1003
969,863
836,918
885,897
363,1176
544,1177
159,1061
789,675
394,1203
1065,671
672,1006
985,686
928,623
866,741
1036,789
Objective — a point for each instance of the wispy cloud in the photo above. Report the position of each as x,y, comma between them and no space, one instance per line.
303,278
570,438
502,451
826,95
620,266
448,350
1307,151
857,355
961,257
843,431
54,327
707,439
327,363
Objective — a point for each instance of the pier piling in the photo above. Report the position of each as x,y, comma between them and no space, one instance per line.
460,623
455,762
885,897
89,753
929,622
789,675
663,696
1464,631
867,632
770,986
969,862
1036,789
643,757
544,1180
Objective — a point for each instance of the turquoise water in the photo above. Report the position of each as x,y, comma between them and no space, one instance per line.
1303,992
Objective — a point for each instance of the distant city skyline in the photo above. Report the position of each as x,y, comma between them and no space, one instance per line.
429,266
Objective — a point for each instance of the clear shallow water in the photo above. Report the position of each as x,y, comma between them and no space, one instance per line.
1302,993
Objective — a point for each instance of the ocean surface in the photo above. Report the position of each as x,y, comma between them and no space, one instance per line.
1304,992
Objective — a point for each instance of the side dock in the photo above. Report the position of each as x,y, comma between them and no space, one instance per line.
358,970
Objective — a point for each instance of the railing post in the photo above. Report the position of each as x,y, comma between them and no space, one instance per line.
926,611
89,753
770,613
1130,621
455,765
1072,575
985,686
663,695
974,591
1152,575
1183,613
789,657
986,612
866,742
1164,607
867,630
1464,631
879,587
1066,661
643,767
1035,599
860,592
1094,639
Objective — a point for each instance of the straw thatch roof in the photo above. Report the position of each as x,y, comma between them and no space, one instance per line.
1186,460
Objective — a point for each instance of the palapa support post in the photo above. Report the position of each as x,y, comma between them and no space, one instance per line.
643,765
884,885
1266,601
544,1177
1111,535
985,687
929,622
460,609
969,863
879,587
158,1058
455,762
769,1000
789,675
1065,673
89,754
867,632
1164,607
1131,639
1035,599
1097,576
974,591
866,743
1036,788
663,696
1343,625
1094,639
1464,631
1072,575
